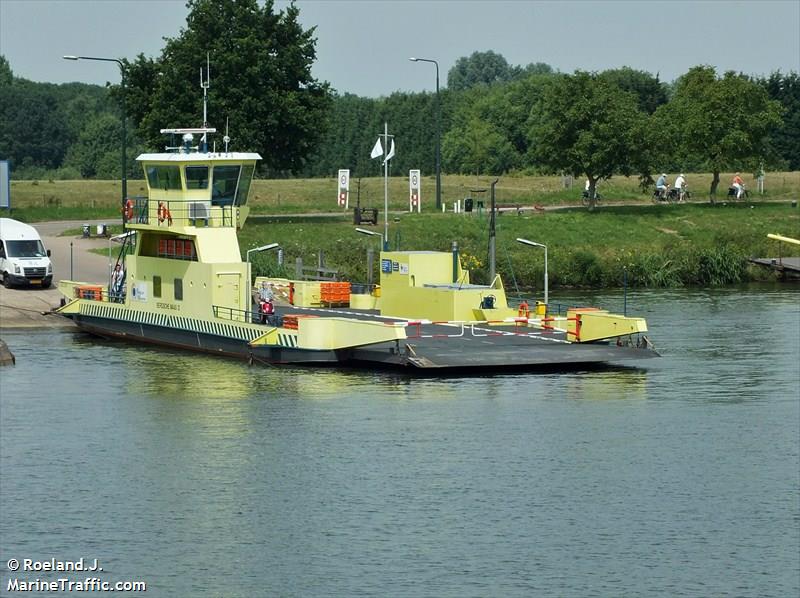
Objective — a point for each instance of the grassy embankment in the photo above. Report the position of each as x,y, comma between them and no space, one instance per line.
658,245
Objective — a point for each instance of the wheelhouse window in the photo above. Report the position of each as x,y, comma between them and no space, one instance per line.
197,177
164,177
244,185
226,179
156,286
178,285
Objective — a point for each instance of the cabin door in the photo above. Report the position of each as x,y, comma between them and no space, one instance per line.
228,291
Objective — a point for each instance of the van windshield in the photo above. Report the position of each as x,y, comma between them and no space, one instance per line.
32,248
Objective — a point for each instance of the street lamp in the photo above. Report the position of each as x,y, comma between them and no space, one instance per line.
438,133
260,249
364,231
372,233
534,244
124,136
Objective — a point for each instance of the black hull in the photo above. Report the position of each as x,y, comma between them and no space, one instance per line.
467,355
199,342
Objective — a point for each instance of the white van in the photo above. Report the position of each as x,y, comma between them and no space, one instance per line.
23,258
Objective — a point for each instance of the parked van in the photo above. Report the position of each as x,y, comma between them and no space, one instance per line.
23,258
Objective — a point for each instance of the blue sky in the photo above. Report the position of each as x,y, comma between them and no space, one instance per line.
363,45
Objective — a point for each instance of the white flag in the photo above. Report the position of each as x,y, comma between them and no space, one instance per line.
377,150
390,155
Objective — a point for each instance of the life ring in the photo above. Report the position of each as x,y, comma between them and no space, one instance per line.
127,211
524,312
164,213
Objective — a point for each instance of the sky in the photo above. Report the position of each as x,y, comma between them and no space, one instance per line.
363,46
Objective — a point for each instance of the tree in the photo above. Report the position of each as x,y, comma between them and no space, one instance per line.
261,81
784,139
97,151
480,68
719,123
651,93
32,130
6,75
477,147
588,127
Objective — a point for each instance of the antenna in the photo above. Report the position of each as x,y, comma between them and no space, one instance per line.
205,85
226,139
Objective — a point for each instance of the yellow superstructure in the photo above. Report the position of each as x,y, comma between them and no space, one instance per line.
434,286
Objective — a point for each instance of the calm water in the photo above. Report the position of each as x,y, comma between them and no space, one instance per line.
205,477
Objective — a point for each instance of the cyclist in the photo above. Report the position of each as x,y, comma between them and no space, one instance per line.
738,184
679,187
662,186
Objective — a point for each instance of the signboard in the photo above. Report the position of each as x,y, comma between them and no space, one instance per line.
414,197
386,266
5,184
344,189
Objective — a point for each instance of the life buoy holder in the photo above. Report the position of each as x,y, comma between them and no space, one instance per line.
127,211
524,311
164,214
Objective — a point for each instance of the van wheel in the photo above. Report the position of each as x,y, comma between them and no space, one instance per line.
6,280
45,284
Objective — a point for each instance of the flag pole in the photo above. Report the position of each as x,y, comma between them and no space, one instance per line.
386,189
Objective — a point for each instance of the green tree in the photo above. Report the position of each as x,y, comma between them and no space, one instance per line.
261,81
480,68
477,147
717,123
651,93
784,139
96,152
586,126
6,75
32,130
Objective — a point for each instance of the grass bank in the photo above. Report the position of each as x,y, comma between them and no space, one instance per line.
656,246
87,199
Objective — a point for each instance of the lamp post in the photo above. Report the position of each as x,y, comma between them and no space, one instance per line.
124,136
258,250
534,244
438,134
364,231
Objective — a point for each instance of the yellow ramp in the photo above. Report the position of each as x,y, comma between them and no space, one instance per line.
593,325
340,333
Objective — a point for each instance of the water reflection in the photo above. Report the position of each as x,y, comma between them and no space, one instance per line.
617,384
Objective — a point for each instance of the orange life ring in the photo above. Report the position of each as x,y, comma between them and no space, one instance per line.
127,211
524,312
164,213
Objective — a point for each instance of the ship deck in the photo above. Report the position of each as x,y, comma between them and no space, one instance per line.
478,346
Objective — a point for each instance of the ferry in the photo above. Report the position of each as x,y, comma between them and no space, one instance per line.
179,281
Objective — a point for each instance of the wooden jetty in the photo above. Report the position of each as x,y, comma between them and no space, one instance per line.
786,267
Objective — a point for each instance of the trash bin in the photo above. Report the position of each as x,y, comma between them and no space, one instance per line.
468,204
87,231
101,230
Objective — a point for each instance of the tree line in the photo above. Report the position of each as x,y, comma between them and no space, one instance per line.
493,117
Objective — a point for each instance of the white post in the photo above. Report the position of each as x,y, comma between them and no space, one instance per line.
385,187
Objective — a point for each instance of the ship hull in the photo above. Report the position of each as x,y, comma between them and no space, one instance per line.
503,349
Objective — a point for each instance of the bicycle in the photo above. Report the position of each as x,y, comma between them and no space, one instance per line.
732,193
585,197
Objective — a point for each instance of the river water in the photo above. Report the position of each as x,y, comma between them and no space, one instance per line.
206,477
